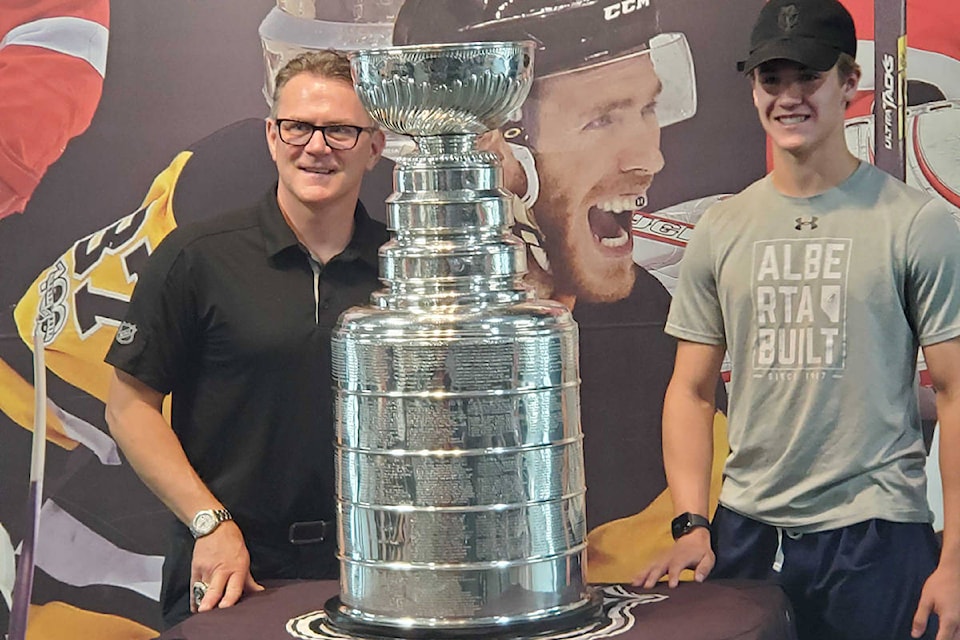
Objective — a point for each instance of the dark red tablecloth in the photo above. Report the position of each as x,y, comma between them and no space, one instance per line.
715,610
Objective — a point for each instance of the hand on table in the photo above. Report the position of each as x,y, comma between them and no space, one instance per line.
691,551
221,561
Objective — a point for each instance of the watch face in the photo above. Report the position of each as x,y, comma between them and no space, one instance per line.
679,526
686,522
204,523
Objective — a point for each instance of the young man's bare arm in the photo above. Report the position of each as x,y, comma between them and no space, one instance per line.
134,416
688,411
941,592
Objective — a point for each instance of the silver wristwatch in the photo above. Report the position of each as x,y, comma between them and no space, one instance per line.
207,520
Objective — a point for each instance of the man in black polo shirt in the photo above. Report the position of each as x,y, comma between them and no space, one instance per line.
232,317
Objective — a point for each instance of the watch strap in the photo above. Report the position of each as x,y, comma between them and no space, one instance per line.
222,515
687,522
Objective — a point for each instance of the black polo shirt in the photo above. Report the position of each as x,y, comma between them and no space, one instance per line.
233,318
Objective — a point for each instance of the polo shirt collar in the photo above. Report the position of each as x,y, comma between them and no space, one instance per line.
279,237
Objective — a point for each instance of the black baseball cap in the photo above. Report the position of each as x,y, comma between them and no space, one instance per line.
811,32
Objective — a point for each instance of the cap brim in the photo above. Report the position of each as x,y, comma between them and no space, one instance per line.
810,53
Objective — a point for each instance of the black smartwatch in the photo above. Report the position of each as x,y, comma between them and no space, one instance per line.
687,522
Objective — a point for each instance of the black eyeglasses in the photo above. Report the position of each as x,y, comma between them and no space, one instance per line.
341,137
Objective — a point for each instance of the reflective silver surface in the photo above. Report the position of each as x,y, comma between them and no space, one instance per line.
459,453
444,89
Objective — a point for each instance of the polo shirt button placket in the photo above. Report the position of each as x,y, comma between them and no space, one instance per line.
317,268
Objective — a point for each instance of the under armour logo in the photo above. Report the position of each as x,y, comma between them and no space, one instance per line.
801,223
126,332
788,18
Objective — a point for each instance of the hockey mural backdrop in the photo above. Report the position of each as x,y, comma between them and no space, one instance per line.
636,123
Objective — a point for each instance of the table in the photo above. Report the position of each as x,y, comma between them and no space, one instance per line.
714,610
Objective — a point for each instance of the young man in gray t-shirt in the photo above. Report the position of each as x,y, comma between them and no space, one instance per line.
821,280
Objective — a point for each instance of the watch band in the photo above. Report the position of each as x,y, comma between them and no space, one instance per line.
687,522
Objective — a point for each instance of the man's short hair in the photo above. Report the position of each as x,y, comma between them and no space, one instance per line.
327,63
847,65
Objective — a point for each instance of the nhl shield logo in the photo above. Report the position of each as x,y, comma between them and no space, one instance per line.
126,332
788,18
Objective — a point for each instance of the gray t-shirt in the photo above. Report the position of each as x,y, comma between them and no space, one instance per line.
822,303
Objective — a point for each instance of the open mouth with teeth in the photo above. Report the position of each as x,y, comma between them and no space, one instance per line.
610,222
791,120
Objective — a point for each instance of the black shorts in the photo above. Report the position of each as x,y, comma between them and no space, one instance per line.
859,582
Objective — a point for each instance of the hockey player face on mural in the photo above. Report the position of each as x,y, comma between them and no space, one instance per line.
801,108
315,174
597,147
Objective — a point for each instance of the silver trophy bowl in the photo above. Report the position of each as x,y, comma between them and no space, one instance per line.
459,454
444,89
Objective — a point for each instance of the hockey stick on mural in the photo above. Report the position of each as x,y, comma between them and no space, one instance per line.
23,587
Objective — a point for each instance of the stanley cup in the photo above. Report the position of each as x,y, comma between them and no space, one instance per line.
459,453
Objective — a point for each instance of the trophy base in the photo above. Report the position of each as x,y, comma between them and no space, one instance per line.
352,622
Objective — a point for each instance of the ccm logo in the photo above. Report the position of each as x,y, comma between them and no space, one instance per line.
622,8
